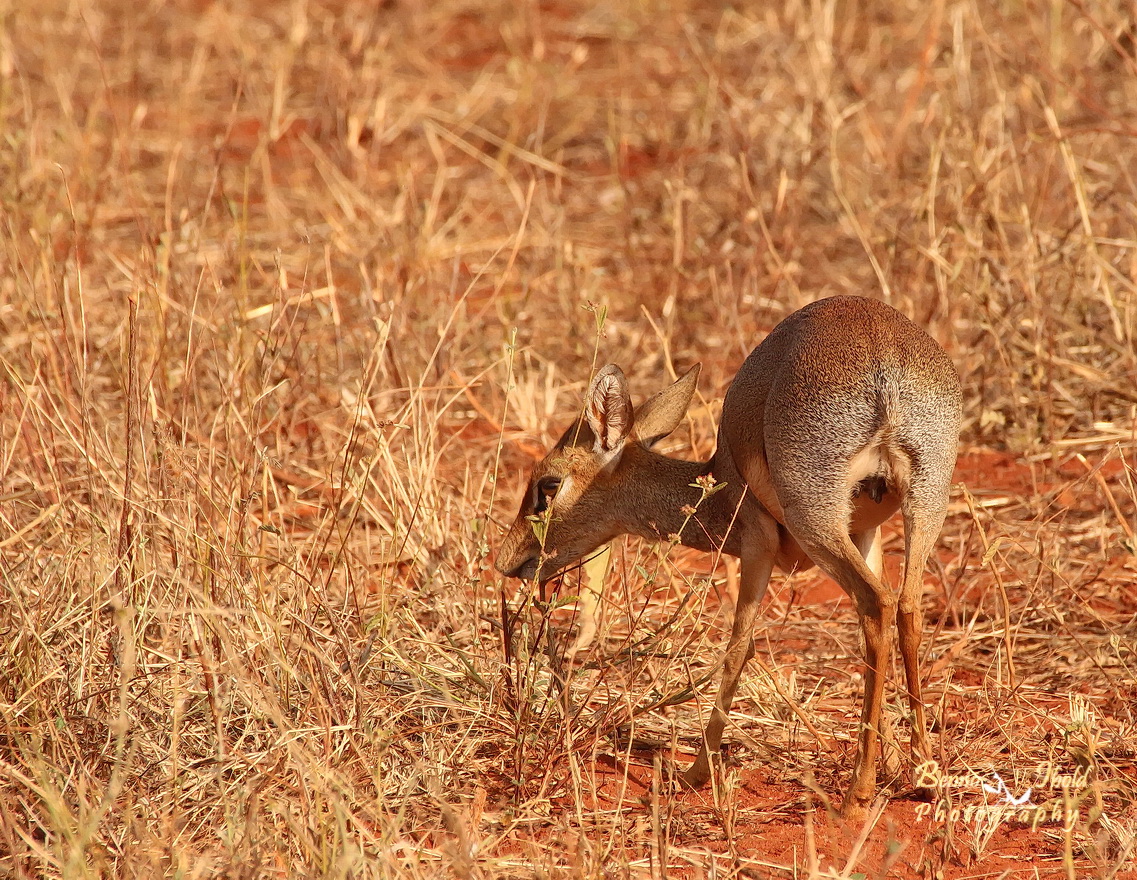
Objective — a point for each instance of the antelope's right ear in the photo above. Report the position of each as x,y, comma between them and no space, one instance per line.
661,413
608,410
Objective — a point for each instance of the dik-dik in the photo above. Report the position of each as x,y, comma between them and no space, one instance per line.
846,412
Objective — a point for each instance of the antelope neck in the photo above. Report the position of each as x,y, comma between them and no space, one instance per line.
671,487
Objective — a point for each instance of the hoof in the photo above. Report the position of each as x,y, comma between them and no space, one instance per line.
855,808
926,781
697,775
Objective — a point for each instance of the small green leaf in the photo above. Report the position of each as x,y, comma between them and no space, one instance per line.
540,527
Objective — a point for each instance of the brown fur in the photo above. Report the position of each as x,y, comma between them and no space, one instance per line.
844,414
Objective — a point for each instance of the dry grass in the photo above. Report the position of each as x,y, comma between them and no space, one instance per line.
290,294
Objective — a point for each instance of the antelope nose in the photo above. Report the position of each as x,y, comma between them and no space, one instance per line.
506,569
517,566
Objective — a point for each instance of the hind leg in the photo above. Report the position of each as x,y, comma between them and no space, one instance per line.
868,543
820,529
924,509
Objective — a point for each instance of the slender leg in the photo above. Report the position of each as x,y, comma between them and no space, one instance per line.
731,580
922,523
588,604
877,621
910,623
868,543
755,577
840,558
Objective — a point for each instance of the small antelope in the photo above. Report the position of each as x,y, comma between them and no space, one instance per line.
846,412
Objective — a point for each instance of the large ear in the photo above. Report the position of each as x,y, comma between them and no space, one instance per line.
608,410
661,413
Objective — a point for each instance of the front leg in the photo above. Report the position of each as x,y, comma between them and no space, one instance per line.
755,577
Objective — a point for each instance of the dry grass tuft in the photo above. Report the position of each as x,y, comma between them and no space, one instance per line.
291,293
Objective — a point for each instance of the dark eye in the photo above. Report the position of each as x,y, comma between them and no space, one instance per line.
546,490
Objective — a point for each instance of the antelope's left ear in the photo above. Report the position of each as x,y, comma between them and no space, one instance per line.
608,410
661,413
